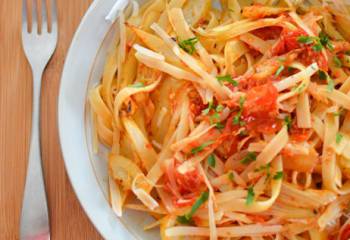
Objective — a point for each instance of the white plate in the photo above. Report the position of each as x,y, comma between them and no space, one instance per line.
88,172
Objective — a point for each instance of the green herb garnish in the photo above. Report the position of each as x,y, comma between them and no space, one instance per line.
318,42
338,138
299,88
211,161
250,196
237,119
215,116
187,218
306,39
288,122
317,47
324,40
137,85
188,45
219,125
265,168
227,78
278,175
219,108
330,84
337,62
339,113
279,70
201,147
207,110
322,75
231,176
250,157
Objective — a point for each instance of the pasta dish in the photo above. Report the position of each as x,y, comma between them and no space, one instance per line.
230,119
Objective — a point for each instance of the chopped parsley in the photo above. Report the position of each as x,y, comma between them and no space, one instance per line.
237,119
339,113
318,42
137,85
211,161
279,71
250,196
337,62
306,40
288,122
188,45
214,116
219,125
317,47
278,175
299,88
322,75
338,138
207,110
324,40
231,176
227,78
201,147
250,157
265,168
187,218
330,84
219,108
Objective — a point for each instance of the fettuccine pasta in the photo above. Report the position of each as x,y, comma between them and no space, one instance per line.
230,119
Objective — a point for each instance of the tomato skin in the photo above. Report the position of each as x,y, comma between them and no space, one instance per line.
288,41
260,109
345,235
184,188
309,56
298,134
189,182
268,33
261,102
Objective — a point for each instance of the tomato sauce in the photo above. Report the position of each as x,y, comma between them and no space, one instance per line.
289,41
268,33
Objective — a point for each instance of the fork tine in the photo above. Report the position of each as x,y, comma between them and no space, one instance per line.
44,24
34,17
24,16
53,16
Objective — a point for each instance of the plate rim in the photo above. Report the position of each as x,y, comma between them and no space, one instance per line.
107,228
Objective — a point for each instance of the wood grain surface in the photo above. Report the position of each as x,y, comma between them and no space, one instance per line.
68,221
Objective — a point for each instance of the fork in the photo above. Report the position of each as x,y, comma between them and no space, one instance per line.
38,47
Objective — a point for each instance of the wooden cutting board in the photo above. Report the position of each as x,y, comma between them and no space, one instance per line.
68,221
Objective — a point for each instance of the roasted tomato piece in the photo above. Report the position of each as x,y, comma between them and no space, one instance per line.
261,102
345,234
310,56
288,41
260,109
